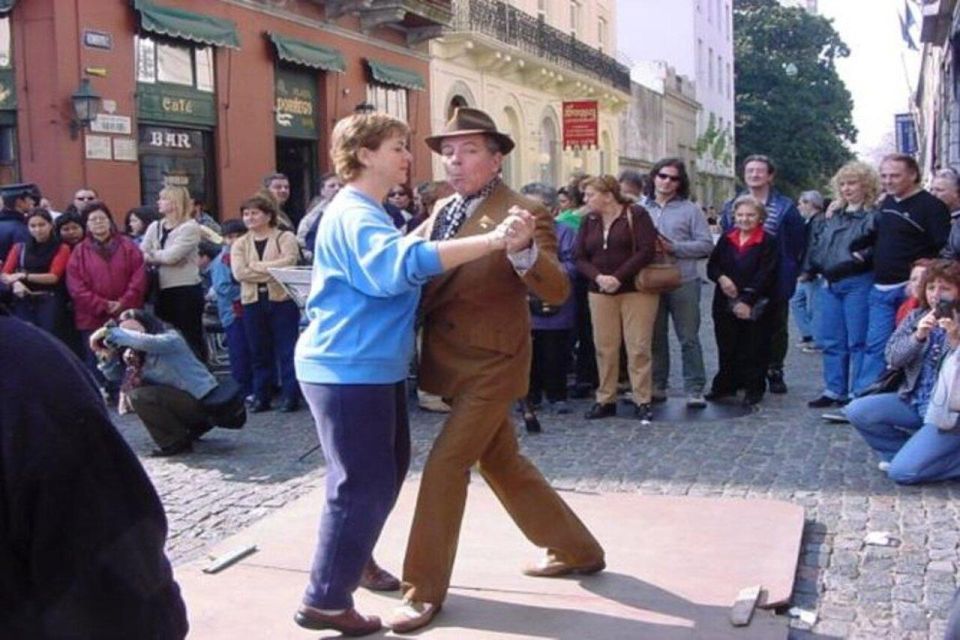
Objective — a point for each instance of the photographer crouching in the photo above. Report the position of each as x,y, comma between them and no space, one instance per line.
164,383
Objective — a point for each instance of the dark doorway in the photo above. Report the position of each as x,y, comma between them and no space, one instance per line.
297,160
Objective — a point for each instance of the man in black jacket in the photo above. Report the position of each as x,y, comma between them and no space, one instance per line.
82,530
18,199
912,224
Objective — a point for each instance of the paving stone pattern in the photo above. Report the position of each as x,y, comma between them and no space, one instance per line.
783,451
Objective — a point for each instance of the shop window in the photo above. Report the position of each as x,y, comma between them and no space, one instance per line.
174,63
391,100
5,49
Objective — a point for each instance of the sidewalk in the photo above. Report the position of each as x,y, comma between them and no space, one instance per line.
675,566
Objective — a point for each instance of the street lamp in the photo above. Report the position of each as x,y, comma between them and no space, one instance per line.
86,105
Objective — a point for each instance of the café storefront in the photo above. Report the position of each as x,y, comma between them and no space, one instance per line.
301,68
176,99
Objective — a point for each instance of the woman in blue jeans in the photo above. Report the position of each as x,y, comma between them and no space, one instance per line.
841,246
902,427
353,358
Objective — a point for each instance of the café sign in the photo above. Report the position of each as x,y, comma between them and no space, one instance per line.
295,108
580,124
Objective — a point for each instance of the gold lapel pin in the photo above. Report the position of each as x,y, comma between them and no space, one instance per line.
485,222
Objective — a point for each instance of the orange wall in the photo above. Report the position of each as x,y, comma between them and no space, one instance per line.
49,61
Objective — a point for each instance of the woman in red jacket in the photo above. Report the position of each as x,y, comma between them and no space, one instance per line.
34,272
105,275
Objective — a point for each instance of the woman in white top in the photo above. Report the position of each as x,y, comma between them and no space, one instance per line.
170,252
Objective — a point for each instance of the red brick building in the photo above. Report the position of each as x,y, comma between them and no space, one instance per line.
226,91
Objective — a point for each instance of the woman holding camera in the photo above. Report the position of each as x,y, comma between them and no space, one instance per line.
902,427
161,377
34,272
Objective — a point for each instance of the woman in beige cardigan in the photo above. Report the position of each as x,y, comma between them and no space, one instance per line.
270,317
170,251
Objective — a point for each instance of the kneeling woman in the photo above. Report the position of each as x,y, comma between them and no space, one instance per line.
162,378
904,428
352,360
744,266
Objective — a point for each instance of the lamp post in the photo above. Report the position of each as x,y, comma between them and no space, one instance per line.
86,105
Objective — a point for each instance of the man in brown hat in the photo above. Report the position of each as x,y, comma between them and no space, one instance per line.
476,352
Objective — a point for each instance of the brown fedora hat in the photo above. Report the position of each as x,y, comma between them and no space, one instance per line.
468,121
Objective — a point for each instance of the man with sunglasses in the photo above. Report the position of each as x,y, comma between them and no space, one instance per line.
686,236
785,223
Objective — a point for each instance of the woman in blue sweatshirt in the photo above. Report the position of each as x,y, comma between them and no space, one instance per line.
353,358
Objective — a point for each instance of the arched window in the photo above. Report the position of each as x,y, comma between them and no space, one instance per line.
456,101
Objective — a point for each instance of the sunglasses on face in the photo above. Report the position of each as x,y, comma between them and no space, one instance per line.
85,198
667,176
394,194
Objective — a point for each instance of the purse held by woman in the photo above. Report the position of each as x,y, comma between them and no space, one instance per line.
663,273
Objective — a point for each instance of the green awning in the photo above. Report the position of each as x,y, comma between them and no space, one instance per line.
396,76
187,25
6,6
308,54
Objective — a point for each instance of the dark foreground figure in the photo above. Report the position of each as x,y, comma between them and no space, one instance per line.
81,528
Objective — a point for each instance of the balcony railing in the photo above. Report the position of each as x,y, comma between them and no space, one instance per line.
516,28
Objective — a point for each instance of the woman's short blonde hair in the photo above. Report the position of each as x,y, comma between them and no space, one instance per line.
861,172
749,201
605,184
360,131
182,202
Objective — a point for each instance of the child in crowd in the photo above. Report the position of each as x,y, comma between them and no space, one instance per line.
227,291
916,277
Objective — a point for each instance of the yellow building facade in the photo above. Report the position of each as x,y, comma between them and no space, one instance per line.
519,61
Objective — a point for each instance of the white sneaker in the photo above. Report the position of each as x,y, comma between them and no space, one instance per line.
696,401
883,465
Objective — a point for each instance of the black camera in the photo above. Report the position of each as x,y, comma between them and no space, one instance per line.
945,308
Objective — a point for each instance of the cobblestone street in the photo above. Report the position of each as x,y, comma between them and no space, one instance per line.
784,451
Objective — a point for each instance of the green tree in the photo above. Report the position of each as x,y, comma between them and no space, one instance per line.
790,103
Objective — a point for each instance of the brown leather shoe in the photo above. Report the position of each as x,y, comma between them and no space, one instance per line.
375,578
412,615
553,568
349,623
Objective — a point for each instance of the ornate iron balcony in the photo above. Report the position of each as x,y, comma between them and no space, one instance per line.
518,29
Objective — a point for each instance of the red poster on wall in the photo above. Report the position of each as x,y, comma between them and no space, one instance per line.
580,124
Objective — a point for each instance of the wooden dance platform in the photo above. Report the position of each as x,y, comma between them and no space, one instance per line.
674,568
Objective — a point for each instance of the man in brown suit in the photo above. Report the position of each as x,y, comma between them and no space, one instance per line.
476,352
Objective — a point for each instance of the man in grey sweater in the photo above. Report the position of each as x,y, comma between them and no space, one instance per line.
686,236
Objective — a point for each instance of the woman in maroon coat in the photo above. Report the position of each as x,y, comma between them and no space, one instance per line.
105,275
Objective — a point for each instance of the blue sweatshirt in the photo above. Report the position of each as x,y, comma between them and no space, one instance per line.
363,296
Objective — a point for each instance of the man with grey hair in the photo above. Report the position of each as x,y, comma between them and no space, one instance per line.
803,302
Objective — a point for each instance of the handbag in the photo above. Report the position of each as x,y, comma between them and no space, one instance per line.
756,309
662,275
225,406
888,382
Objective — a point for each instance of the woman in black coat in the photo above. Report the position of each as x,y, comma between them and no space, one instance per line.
744,265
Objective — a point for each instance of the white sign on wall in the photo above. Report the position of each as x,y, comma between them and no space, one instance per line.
125,149
98,147
106,123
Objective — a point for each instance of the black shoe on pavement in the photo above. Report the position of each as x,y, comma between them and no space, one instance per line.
752,398
259,406
718,395
775,381
643,413
825,401
601,411
289,406
184,446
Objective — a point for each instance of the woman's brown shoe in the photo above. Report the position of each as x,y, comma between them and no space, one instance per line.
376,578
553,568
349,623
